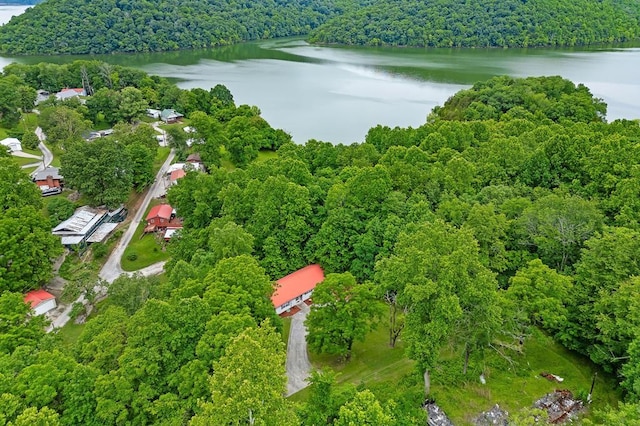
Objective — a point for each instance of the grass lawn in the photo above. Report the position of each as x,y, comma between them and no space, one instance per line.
514,390
372,361
3,133
463,397
22,161
265,155
146,248
161,156
69,333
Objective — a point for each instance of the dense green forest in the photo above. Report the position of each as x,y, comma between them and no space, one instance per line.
105,26
513,211
504,23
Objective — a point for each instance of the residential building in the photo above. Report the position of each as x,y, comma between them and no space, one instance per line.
296,287
159,217
12,143
40,301
68,93
170,116
49,178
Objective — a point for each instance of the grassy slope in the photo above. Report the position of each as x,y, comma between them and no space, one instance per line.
373,362
514,389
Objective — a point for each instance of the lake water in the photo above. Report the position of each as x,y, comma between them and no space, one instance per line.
6,12
336,94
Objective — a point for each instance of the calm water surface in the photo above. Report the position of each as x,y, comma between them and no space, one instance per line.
337,94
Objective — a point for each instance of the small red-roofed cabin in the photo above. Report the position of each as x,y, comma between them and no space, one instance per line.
296,287
40,301
160,216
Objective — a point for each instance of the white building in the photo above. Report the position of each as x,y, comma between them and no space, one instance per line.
12,143
40,301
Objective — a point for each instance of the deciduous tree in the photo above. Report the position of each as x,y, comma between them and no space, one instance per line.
343,312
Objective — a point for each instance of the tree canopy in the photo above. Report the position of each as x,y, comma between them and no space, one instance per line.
458,23
77,27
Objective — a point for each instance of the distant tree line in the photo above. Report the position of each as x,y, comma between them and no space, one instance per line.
80,27
493,23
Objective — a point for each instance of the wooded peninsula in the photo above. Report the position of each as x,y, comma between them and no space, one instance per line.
498,241
108,26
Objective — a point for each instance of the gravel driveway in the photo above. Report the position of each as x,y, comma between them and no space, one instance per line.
298,365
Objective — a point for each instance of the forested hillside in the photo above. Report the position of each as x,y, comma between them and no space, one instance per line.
492,23
105,26
511,213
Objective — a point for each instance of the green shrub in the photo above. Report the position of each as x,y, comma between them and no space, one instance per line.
77,309
132,256
99,250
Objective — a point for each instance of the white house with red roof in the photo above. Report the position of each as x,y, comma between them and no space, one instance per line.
40,301
296,287
68,93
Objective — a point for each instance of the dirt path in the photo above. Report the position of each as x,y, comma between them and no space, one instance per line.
298,365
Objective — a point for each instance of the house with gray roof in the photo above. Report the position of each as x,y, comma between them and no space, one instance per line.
170,116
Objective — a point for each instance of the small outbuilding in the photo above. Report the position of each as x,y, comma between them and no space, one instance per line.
296,287
12,143
40,301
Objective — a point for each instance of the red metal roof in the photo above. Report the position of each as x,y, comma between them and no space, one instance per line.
36,297
162,211
177,174
296,284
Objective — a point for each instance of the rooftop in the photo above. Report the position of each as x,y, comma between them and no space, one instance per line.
36,297
177,174
82,221
49,171
163,211
296,284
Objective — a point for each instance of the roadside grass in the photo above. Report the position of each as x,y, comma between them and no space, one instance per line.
286,329
32,151
161,156
70,333
184,122
3,133
29,170
146,248
57,153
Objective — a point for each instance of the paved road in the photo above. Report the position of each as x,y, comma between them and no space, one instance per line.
44,161
112,269
298,365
